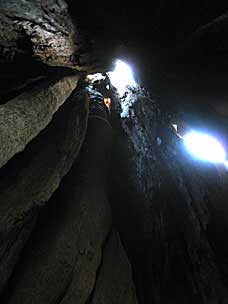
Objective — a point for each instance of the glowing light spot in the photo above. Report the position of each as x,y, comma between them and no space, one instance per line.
204,147
95,77
122,77
226,165
107,102
175,127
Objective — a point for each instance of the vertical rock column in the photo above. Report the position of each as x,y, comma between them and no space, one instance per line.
29,179
61,263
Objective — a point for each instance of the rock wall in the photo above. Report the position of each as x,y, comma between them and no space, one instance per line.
172,214
67,249
30,178
74,229
57,240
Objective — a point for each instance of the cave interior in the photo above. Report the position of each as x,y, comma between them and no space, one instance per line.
94,207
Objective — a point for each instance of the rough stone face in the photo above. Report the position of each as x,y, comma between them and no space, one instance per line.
71,252
176,212
47,28
30,178
22,118
171,211
114,280
65,250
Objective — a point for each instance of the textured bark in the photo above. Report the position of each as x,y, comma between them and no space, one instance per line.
45,26
30,178
22,118
176,212
114,282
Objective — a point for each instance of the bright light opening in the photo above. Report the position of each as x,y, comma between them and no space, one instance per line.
175,127
226,164
204,147
122,77
95,77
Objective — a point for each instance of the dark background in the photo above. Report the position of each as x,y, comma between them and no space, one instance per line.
177,48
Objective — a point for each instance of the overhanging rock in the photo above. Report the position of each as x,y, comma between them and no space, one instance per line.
22,118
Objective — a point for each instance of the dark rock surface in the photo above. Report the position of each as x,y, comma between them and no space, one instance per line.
22,118
30,178
45,26
65,251
38,39
58,243
176,210
114,283
55,218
